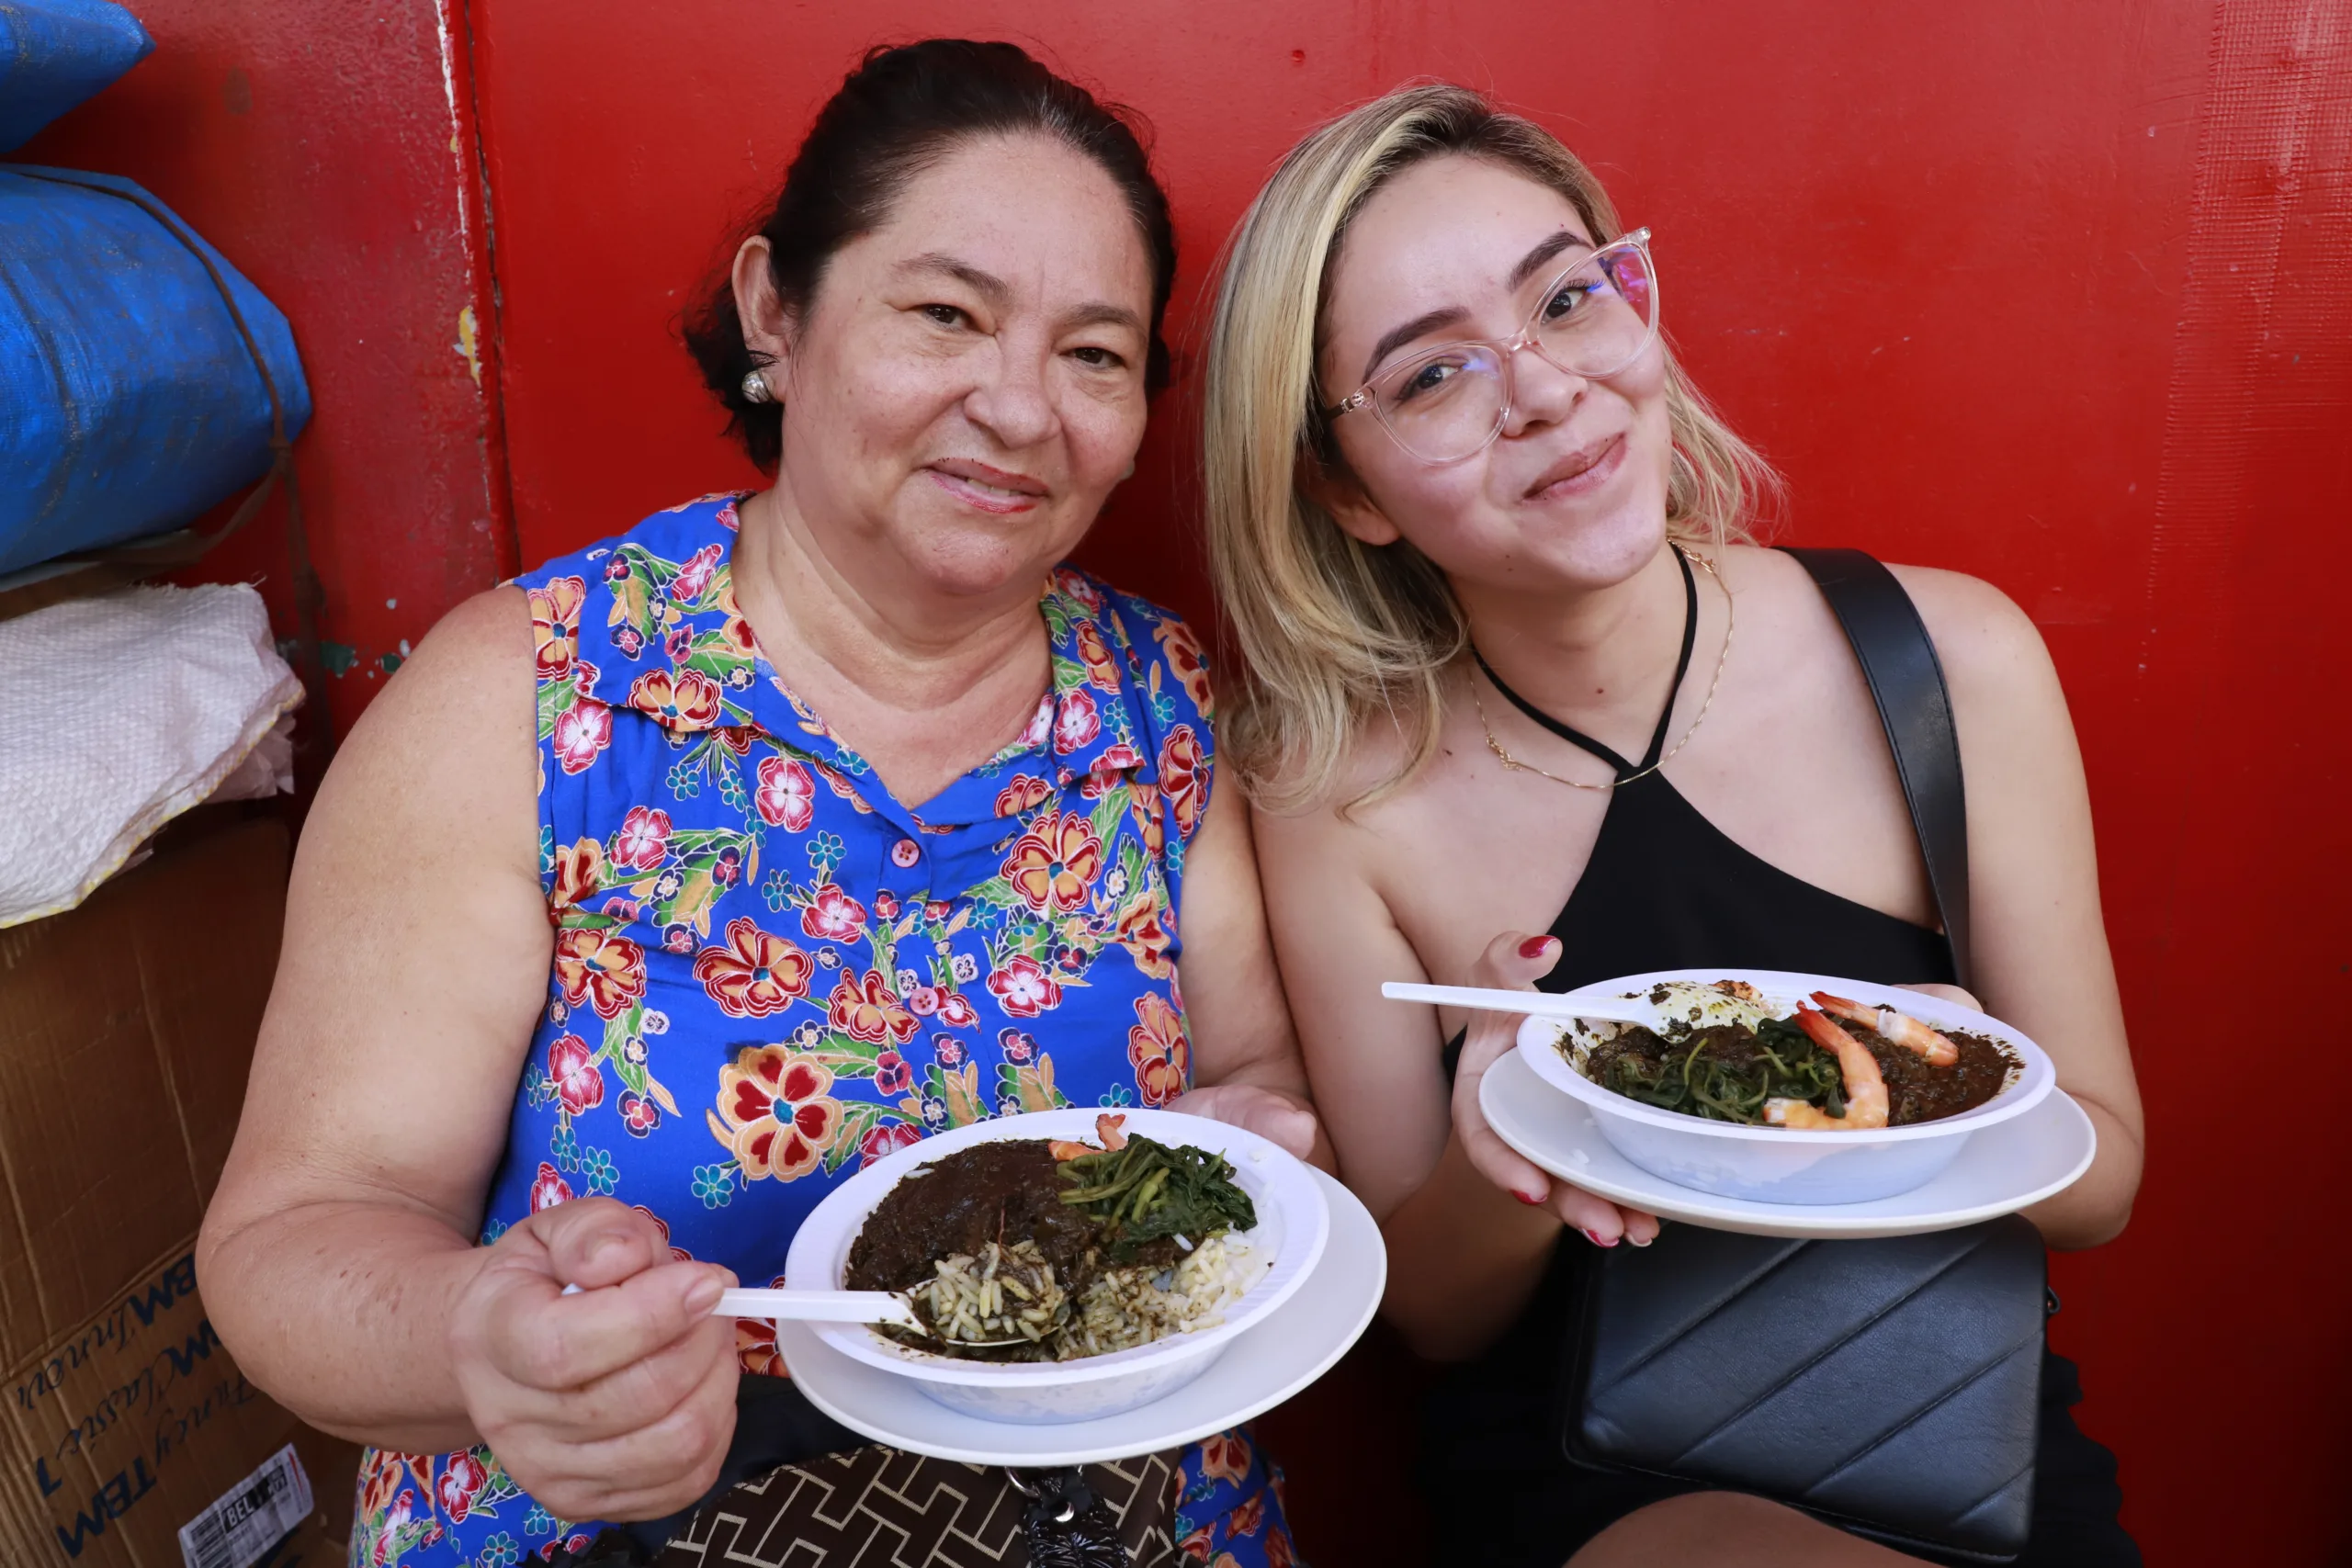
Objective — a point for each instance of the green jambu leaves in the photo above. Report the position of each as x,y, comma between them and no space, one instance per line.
1724,1073
1147,1191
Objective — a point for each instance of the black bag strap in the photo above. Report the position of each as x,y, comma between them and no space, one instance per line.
1898,660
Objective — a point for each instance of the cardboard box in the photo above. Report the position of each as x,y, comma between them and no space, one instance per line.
127,1028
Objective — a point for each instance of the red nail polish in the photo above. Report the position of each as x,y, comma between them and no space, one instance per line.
1530,1201
1534,947
1594,1238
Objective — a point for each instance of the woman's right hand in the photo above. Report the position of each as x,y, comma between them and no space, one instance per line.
1515,961
617,1403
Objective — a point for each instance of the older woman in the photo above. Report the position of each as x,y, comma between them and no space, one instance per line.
1483,545
843,815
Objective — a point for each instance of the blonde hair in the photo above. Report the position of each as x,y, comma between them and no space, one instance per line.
1335,631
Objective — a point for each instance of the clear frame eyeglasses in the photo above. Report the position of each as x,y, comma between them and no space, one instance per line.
1593,320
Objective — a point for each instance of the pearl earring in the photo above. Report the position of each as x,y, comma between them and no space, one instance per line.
755,388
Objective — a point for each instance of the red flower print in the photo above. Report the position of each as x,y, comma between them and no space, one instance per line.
1157,1050
887,1139
581,731
936,909
1041,724
644,839
1183,776
868,1009
681,699
1200,1545
773,1112
1076,720
640,1115
1023,990
786,797
736,634
600,968
755,1350
1122,758
578,872
555,626
1143,931
1101,670
833,916
549,1189
1280,1553
886,904
755,974
695,574
460,1484
1052,864
1226,1457
956,1012
891,1074
905,852
579,1081
729,518
1079,587
1246,1519
1146,808
1184,661
1024,793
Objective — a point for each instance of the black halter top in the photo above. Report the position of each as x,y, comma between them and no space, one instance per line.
1666,889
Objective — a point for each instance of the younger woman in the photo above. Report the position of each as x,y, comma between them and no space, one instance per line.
1518,670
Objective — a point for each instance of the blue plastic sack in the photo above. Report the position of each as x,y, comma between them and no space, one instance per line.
55,53
129,401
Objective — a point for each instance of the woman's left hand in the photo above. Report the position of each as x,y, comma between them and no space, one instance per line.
1274,1116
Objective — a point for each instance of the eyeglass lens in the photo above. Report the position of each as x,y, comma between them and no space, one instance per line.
1593,322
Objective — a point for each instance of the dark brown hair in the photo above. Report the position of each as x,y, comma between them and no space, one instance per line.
900,111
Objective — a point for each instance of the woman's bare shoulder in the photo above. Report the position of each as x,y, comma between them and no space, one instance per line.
1987,645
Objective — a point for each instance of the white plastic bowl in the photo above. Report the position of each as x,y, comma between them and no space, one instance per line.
1293,1226
1775,1165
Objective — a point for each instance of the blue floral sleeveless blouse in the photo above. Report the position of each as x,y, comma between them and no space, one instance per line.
769,973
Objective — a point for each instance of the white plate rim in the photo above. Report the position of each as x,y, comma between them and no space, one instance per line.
856,1197
2040,1077
1353,1233
1876,1217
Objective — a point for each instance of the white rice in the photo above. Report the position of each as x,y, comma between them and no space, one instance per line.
1011,1290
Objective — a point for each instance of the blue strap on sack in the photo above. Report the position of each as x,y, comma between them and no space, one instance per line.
142,377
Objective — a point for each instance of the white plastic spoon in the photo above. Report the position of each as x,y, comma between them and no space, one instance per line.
812,1307
1539,1004
827,1306
819,1306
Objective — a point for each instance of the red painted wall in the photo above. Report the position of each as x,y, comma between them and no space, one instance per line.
322,147
2060,295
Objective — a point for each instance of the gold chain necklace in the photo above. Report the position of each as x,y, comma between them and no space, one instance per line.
1730,624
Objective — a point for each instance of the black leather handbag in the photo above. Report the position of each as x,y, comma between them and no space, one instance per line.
1892,1386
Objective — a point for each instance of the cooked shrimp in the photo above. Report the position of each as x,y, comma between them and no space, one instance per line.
1802,1115
1109,1128
1899,1027
1865,1091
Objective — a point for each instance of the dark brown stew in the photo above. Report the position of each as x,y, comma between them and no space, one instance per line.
1005,1191
1737,1058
